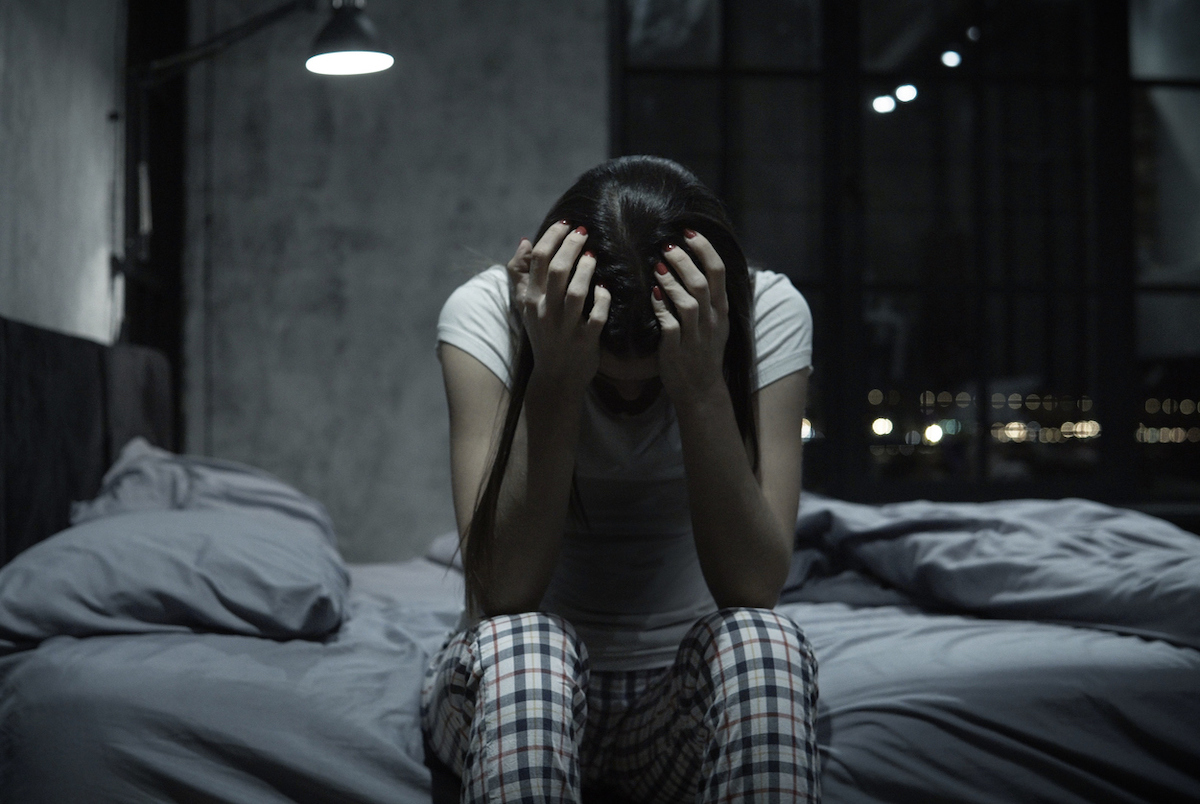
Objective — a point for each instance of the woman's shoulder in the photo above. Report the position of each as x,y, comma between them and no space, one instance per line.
490,284
776,297
476,319
782,327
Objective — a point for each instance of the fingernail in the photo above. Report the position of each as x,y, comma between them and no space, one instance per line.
564,222
689,233
589,254
602,285
520,242
580,230
657,291
661,268
669,246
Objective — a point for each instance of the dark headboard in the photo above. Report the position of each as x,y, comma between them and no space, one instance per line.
69,405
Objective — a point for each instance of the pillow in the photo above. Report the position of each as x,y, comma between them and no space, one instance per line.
175,571
444,550
146,478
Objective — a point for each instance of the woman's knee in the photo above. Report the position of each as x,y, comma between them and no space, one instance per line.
741,636
531,640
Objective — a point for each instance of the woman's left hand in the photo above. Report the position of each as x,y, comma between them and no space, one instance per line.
691,355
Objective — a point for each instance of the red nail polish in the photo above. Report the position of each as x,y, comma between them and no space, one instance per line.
661,268
669,246
564,222
601,285
657,291
689,233
589,254
581,230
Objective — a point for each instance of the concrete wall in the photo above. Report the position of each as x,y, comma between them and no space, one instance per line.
330,218
60,166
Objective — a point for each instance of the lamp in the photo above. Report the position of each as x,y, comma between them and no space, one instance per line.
347,45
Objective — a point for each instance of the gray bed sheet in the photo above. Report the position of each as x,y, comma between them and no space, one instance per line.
913,707
955,672
950,708
217,717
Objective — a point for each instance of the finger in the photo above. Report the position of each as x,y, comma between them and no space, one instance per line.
518,272
544,251
687,309
601,300
563,263
713,267
666,321
520,258
577,290
690,276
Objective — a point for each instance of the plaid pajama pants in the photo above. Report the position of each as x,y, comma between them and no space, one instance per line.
511,706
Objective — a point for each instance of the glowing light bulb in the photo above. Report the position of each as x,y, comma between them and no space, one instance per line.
349,62
884,104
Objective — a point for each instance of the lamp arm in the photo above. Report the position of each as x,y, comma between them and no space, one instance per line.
160,70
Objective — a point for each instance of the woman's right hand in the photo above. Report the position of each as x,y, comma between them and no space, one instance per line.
550,299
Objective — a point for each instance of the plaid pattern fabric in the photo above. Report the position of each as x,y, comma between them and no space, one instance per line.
731,720
504,706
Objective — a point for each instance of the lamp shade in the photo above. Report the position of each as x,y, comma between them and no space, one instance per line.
348,45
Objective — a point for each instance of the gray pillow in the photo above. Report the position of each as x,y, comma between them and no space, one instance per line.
167,571
146,478
444,550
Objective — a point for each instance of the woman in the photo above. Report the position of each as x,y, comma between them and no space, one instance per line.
625,410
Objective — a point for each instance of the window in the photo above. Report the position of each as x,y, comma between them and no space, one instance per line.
992,207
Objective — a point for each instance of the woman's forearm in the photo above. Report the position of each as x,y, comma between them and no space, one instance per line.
532,509
744,550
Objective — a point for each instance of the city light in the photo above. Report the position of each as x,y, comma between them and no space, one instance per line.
933,433
884,104
881,426
1018,432
906,93
951,58
1167,435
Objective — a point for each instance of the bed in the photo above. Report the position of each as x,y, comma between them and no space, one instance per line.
178,628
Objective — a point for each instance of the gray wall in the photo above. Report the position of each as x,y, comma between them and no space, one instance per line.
330,218
60,167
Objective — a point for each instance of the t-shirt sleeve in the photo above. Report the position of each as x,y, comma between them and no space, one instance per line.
475,319
782,328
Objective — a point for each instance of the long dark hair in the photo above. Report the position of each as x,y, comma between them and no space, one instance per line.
632,206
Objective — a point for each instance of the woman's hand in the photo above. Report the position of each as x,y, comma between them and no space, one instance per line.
550,298
692,352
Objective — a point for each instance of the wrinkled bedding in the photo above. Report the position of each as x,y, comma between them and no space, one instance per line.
220,717
1069,561
1010,652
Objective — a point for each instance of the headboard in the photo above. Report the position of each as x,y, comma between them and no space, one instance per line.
69,405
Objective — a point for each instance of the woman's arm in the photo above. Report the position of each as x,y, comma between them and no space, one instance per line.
530,516
742,524
529,519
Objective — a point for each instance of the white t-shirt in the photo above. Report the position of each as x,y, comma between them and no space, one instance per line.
631,582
